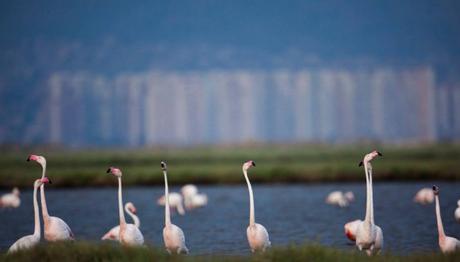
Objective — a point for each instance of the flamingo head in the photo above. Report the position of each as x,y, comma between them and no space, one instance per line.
42,181
369,157
39,159
458,203
130,206
248,165
164,167
435,190
114,171
16,191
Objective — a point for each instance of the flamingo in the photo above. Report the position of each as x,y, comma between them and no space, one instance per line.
446,243
193,199
11,199
257,234
368,235
337,198
31,240
457,212
173,235
55,229
424,196
129,234
114,233
175,201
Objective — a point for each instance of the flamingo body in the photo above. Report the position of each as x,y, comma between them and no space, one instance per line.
424,196
174,239
258,237
131,236
11,200
56,229
350,229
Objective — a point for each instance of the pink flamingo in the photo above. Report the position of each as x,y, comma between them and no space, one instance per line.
173,236
129,234
368,235
55,228
31,240
257,234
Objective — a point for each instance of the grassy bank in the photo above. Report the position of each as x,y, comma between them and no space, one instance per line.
84,251
294,163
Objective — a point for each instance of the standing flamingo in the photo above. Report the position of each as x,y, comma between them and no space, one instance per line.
193,199
31,240
114,233
368,235
257,234
446,243
175,202
173,236
129,234
55,228
11,199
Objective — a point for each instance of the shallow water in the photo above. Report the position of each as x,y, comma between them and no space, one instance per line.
291,214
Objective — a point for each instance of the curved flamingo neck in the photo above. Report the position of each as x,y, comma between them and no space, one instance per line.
251,200
167,214
439,219
43,198
36,214
120,205
369,205
135,219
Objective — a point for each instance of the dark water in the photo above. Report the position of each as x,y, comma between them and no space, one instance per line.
291,214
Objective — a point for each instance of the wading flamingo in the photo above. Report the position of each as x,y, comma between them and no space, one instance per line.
457,212
446,243
173,236
55,229
193,199
257,234
339,198
175,201
31,240
11,199
424,196
114,233
129,234
368,235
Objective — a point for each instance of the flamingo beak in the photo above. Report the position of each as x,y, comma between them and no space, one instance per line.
109,170
378,153
163,165
360,163
253,163
134,210
32,158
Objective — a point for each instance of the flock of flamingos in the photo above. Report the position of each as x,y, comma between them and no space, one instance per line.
366,234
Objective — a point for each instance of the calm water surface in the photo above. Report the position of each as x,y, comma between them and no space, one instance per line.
291,214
